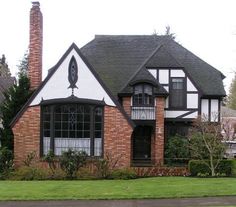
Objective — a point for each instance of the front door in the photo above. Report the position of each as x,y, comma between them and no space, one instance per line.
142,143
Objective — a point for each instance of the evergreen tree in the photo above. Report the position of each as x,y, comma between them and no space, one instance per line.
15,98
231,103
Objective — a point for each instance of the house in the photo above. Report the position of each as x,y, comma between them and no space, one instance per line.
119,94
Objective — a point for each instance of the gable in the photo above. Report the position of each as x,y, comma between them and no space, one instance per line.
87,85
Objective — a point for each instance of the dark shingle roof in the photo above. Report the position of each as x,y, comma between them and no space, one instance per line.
162,59
117,57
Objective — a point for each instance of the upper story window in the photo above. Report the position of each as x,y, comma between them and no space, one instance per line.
177,93
143,95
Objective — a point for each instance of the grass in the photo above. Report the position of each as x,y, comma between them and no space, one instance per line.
159,187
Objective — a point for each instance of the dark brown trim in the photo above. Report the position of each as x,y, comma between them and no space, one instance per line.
41,133
72,99
141,81
54,69
186,114
178,120
166,68
209,110
192,92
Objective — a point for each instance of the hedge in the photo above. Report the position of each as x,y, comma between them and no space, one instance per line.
227,167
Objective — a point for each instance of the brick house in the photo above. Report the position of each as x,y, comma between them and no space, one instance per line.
122,94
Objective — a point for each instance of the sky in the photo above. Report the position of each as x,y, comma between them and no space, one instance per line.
205,27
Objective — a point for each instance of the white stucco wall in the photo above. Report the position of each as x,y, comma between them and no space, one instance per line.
88,85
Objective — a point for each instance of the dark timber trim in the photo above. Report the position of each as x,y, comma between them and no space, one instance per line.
186,114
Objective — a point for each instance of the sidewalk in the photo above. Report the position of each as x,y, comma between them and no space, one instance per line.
210,201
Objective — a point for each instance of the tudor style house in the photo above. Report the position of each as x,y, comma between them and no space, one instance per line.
124,95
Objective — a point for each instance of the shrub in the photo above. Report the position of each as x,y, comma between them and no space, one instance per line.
71,161
233,168
6,162
177,150
123,174
50,158
30,173
29,159
199,167
106,165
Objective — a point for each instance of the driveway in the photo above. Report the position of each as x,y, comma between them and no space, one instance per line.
210,201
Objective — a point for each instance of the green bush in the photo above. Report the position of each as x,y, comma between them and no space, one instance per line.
30,173
50,158
177,151
123,174
225,167
71,161
6,162
233,168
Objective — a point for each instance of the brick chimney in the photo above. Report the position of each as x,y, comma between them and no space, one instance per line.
35,45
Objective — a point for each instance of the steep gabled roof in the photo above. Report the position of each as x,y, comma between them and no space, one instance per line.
162,59
52,72
117,57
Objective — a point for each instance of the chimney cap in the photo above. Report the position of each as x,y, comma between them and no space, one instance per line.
35,3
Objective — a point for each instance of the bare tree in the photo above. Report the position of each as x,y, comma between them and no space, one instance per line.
206,143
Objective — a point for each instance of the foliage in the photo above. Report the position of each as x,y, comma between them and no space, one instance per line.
123,174
71,161
29,159
199,167
6,162
30,173
205,143
15,98
177,150
106,165
231,101
50,158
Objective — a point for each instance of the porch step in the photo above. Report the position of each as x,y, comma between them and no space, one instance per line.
141,163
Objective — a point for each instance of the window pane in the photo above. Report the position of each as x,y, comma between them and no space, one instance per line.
138,89
148,89
177,93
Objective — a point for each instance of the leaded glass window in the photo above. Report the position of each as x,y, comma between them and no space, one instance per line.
72,126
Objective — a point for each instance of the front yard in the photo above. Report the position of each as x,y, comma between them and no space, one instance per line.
159,187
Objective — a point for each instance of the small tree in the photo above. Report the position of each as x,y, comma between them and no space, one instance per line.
15,98
206,143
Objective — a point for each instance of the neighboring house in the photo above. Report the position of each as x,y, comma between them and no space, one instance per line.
123,95
228,122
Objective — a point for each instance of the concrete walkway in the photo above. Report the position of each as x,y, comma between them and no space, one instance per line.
210,201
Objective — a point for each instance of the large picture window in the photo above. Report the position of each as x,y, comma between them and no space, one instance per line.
72,126
177,93
143,95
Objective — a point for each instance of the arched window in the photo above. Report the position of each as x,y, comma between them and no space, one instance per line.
72,126
143,95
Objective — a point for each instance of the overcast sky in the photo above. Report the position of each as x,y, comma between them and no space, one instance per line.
205,27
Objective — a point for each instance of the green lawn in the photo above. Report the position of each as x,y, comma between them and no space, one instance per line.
159,187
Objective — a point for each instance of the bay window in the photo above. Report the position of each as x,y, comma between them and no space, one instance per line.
143,95
72,126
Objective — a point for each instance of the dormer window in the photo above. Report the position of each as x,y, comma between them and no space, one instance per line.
143,95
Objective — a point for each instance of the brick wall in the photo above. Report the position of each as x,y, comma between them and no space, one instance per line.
126,102
35,45
159,132
117,136
27,134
